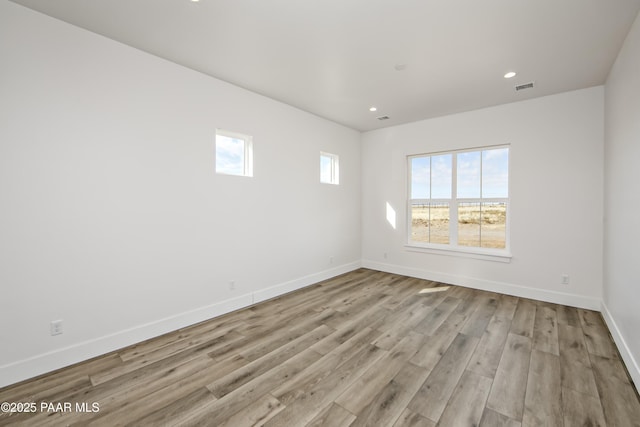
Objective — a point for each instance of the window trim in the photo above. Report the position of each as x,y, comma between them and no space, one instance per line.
335,168
247,167
450,249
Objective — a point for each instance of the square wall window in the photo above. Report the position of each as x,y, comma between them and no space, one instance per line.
329,168
234,153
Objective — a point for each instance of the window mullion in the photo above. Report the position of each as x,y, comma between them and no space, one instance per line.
453,206
248,157
430,198
481,204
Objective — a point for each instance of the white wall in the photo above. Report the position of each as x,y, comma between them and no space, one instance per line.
556,187
111,215
622,202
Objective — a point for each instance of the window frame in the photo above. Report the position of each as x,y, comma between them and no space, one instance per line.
335,168
247,161
453,248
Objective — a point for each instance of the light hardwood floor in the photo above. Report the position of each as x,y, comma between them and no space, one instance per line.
363,349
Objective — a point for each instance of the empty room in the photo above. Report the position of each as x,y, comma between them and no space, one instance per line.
305,213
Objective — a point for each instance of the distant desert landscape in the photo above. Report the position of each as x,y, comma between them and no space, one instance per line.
479,225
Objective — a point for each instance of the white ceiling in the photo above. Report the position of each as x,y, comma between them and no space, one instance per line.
336,58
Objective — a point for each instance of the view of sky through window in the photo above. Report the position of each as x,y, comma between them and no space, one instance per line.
495,172
230,155
329,168
479,174
325,168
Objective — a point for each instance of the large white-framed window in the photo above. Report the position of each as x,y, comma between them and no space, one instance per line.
329,168
234,153
459,201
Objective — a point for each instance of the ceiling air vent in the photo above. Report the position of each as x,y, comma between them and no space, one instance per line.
383,118
524,86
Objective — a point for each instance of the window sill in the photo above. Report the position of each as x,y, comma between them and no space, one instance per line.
475,253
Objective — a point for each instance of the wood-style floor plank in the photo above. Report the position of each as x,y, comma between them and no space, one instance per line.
408,418
468,401
368,386
431,400
478,321
140,402
401,326
543,401
256,413
440,313
487,355
524,318
388,406
303,410
492,418
581,409
437,344
619,399
510,383
220,340
575,365
176,411
245,395
334,415
259,366
301,384
568,316
179,340
545,330
62,382
366,348
596,335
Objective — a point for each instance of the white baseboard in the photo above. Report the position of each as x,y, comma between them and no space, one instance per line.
489,285
283,288
627,356
60,358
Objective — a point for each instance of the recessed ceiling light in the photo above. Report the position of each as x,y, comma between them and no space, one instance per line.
509,75
373,109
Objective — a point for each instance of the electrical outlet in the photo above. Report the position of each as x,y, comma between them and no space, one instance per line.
56,327
564,279
232,285
330,260
385,255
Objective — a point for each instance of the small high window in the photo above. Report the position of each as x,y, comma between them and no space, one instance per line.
329,168
234,153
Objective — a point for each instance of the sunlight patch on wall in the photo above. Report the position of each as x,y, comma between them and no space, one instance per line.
391,216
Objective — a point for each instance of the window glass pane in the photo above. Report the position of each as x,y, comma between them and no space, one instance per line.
441,176
494,225
495,173
420,223
230,155
469,224
468,175
430,222
329,171
325,168
420,177
439,223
